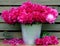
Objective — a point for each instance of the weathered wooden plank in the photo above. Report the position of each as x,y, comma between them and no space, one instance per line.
58,9
1,19
18,2
4,26
4,8
58,19
13,34
19,34
51,27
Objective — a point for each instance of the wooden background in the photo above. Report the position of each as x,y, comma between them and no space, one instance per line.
53,29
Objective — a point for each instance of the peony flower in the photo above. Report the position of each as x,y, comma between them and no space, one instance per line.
39,41
50,18
5,15
54,40
14,41
25,18
47,40
29,13
22,18
13,14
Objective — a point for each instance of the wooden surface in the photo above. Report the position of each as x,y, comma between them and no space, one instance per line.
1,44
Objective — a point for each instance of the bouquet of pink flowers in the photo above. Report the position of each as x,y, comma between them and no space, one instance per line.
14,41
29,13
47,40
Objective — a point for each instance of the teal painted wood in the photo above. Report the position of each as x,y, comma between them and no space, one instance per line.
18,2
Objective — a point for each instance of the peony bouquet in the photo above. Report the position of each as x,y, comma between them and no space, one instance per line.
13,42
47,40
29,13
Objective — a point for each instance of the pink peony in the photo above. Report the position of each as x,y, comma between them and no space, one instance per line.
50,18
5,15
29,13
39,41
47,40
13,14
25,18
14,41
54,40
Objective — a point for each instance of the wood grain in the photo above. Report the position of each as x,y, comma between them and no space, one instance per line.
4,26
18,2
51,27
13,34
